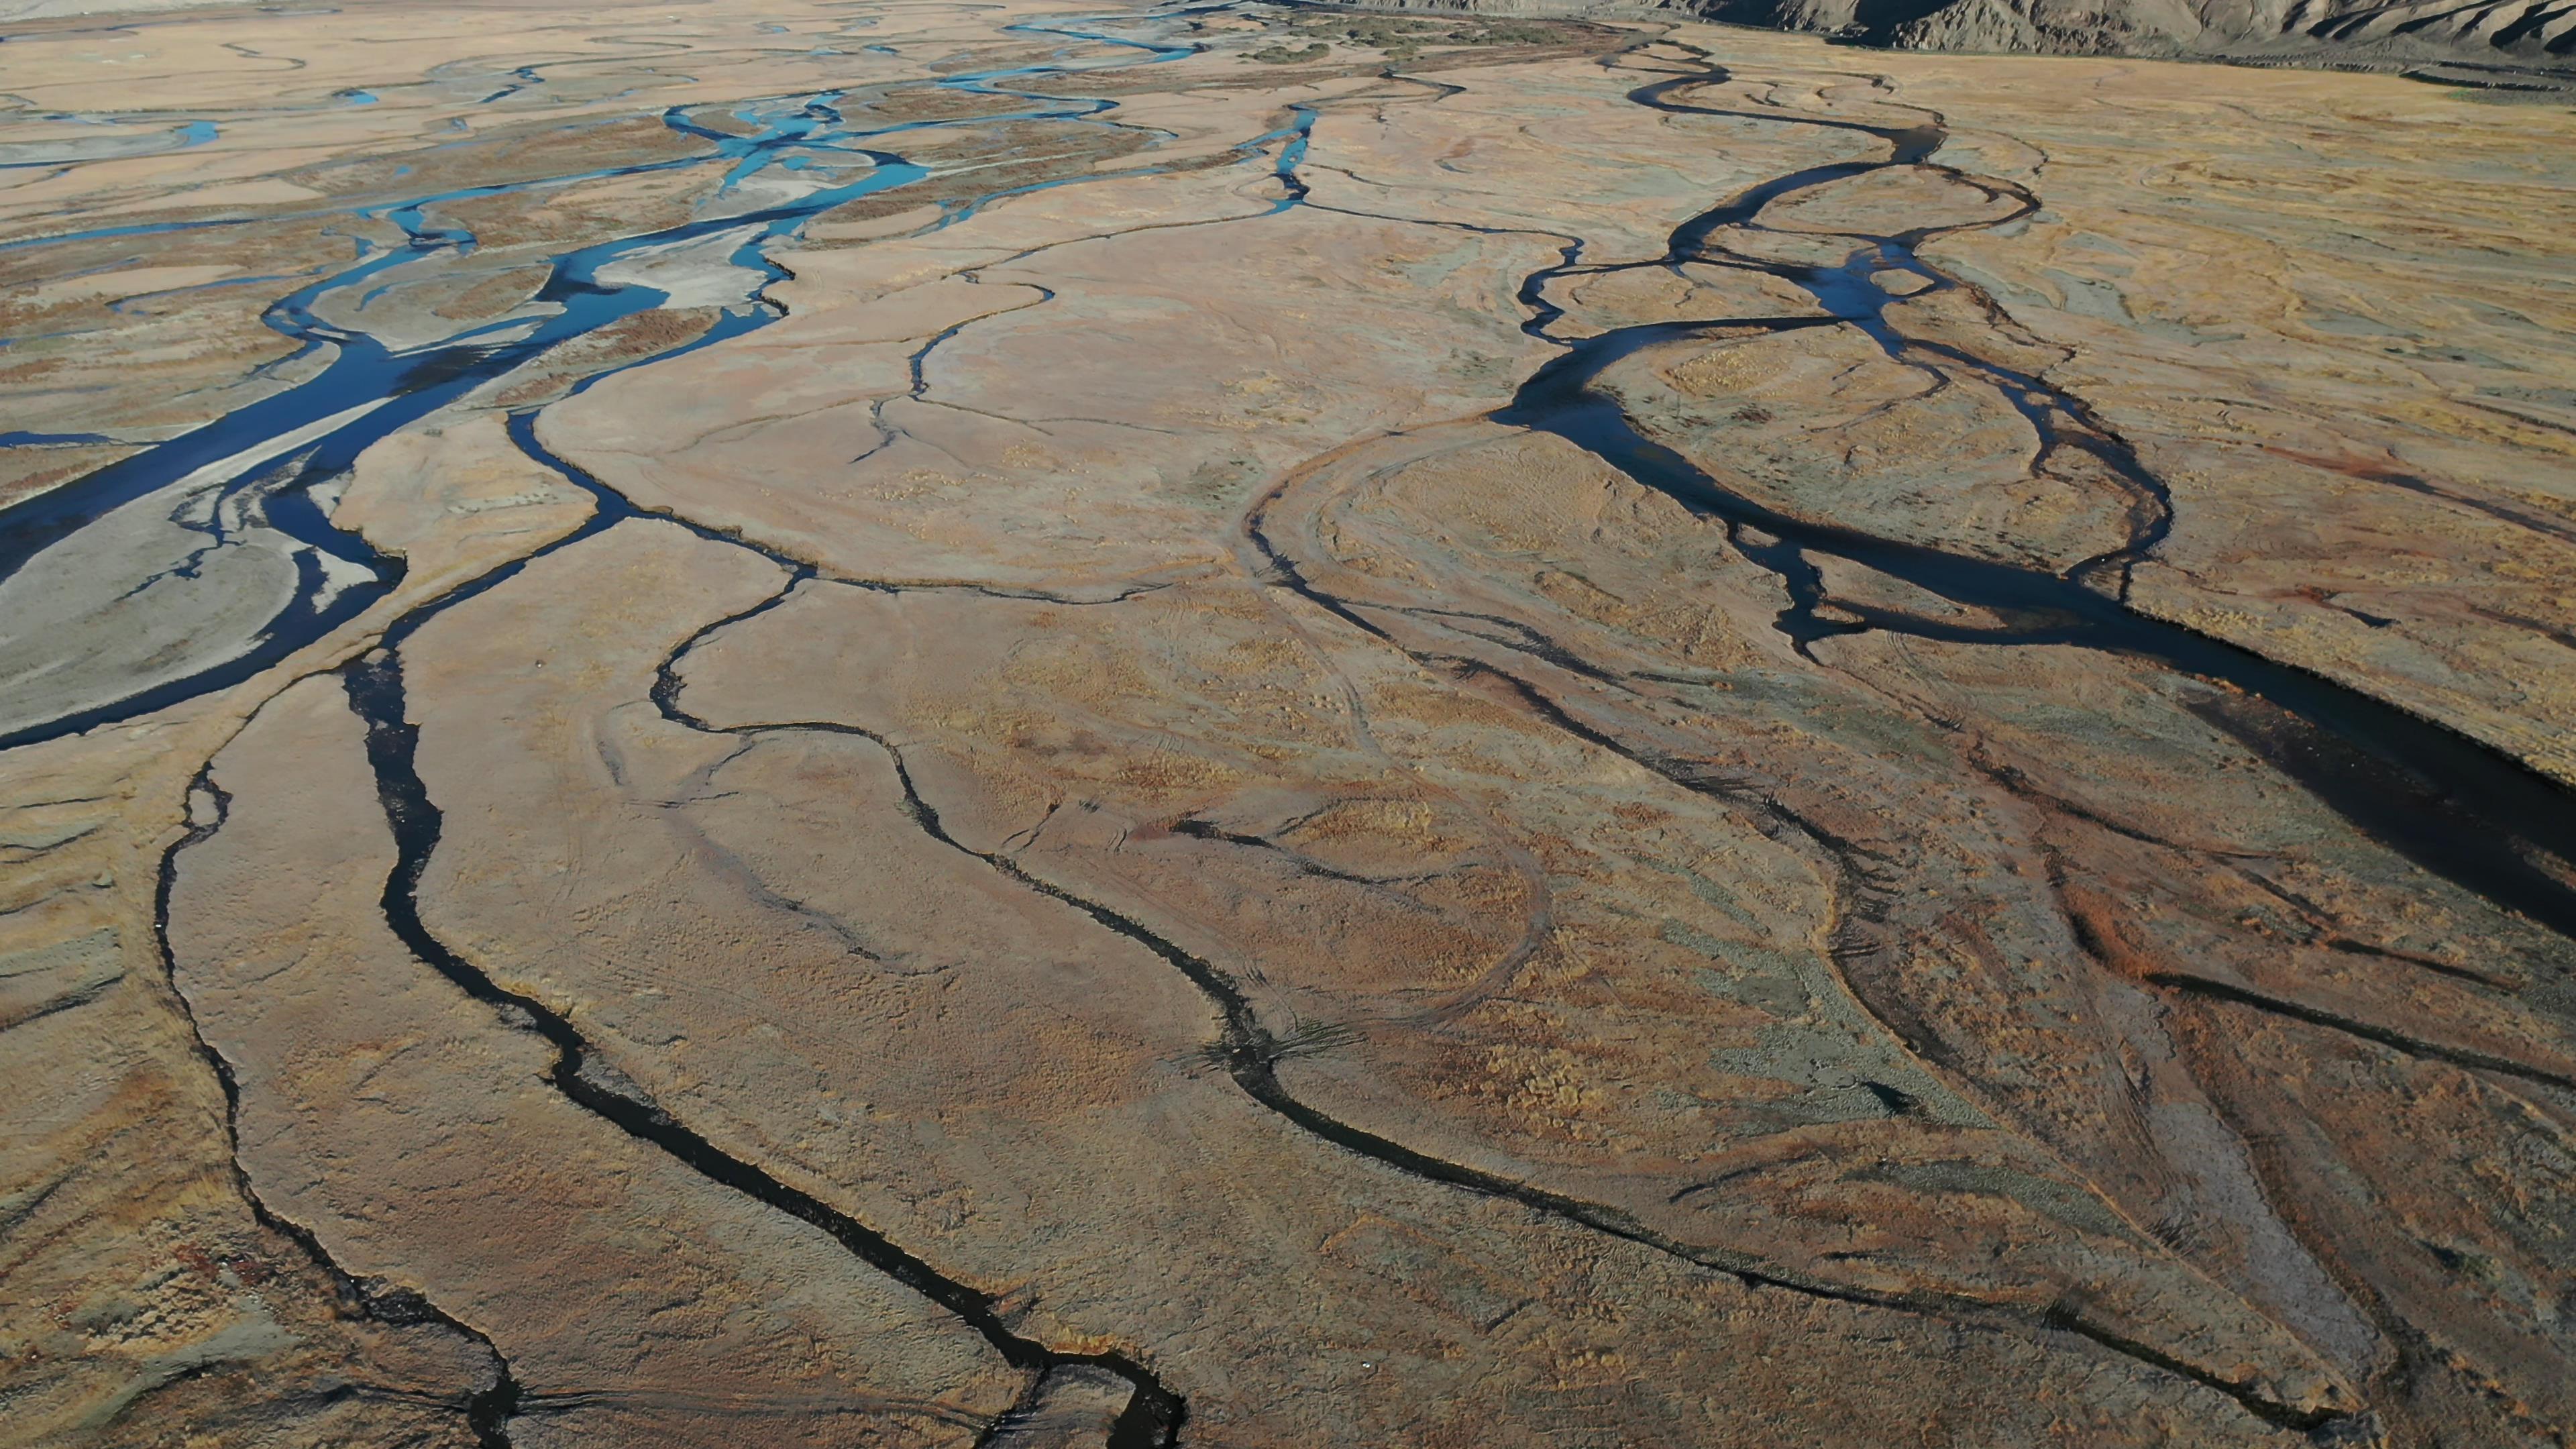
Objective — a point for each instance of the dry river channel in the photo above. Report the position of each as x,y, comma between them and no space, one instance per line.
231,578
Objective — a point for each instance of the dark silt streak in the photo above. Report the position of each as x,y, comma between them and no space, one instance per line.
488,1409
1850,293
1153,1414
375,686
1249,1054
402,387
23,439
2474,817
2453,806
1246,1050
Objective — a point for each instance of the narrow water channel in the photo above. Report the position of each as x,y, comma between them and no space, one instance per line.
189,529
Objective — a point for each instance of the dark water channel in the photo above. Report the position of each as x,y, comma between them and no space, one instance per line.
2462,811
2468,814
254,474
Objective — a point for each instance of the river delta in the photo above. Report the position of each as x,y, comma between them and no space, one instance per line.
1023,724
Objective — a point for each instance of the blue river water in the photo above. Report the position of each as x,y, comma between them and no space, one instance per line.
177,138
289,443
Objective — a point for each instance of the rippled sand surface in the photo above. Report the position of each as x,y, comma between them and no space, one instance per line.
1021,725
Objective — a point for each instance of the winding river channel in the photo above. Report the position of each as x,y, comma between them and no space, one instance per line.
260,479
2453,806
158,532
177,525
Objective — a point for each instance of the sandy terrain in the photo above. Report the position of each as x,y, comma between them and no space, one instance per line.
1026,726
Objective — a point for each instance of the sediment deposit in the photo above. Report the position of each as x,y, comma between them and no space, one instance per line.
1029,726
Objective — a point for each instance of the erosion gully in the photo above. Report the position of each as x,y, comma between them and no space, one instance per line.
2453,806
370,389
2468,814
2463,812
269,458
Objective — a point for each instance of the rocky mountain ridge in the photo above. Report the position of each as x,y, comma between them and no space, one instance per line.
2505,44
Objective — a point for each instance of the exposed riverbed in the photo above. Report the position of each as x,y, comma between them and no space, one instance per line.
1185,726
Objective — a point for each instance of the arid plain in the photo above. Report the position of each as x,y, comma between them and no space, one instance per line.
921,724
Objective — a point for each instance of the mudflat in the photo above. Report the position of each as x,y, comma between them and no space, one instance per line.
1022,725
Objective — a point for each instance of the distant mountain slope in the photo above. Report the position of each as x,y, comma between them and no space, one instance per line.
2497,42
2521,32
